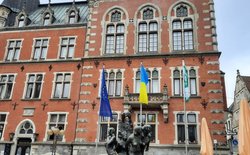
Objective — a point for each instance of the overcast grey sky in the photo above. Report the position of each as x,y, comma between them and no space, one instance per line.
232,19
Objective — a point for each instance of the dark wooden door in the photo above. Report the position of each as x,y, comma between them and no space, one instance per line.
23,146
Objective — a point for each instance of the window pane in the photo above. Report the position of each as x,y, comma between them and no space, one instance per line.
193,86
137,86
103,132
181,133
58,90
66,90
37,90
188,40
155,86
59,77
176,25
44,53
111,29
119,44
180,118
62,118
71,52
142,27
110,44
176,87
153,42
111,88
36,53
148,14
192,135
191,118
187,24
8,91
118,88
142,43
151,118
63,52
120,29
181,11
143,116
71,41
29,91
153,27
67,77
177,40
53,118
116,17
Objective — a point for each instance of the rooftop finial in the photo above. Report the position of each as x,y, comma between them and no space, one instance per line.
24,5
73,2
49,3
238,72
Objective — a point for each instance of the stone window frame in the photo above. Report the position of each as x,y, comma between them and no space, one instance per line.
106,122
180,68
40,48
13,84
15,48
67,47
69,15
139,20
3,124
46,136
150,69
54,85
48,14
34,86
192,16
107,22
22,16
17,134
175,123
115,71
156,113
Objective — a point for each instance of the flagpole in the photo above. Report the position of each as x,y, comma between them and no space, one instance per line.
97,134
185,113
141,114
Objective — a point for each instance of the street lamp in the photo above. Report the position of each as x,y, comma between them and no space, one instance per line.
56,132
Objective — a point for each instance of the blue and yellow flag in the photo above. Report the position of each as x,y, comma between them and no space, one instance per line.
143,97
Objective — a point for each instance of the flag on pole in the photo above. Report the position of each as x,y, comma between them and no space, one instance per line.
143,97
105,109
186,91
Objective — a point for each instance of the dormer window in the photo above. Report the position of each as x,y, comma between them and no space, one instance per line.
46,19
72,17
21,21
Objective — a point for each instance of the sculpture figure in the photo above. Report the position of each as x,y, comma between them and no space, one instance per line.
146,137
134,142
111,142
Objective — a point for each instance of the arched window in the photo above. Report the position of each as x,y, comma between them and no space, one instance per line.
114,41
114,82
21,22
182,30
193,87
72,17
177,83
26,128
153,81
148,32
46,19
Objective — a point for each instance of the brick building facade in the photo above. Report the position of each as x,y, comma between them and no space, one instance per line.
51,62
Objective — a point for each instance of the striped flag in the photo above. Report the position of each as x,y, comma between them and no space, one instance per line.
143,97
186,90
105,109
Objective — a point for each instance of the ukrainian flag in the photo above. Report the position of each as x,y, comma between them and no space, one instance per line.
143,97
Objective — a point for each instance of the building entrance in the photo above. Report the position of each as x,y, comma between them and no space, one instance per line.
23,146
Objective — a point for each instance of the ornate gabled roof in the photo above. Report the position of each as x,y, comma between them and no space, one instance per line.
246,80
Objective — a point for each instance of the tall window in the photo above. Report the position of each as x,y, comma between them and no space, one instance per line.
114,82
67,47
21,21
33,86
178,82
2,123
57,120
13,52
46,19
6,86
153,85
182,34
105,124
148,33
72,17
192,128
40,49
62,85
148,119
115,35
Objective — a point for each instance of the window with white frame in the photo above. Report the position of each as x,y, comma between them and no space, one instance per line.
182,30
105,124
46,19
67,47
115,33
148,119
114,82
33,86
148,32
62,85
192,127
58,120
2,123
72,17
40,49
13,50
178,81
6,86
21,21
153,85
26,128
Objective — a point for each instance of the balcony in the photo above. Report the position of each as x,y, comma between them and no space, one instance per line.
155,101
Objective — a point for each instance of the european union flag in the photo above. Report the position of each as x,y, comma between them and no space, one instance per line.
105,109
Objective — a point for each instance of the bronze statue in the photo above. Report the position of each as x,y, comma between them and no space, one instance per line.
111,142
146,137
134,142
